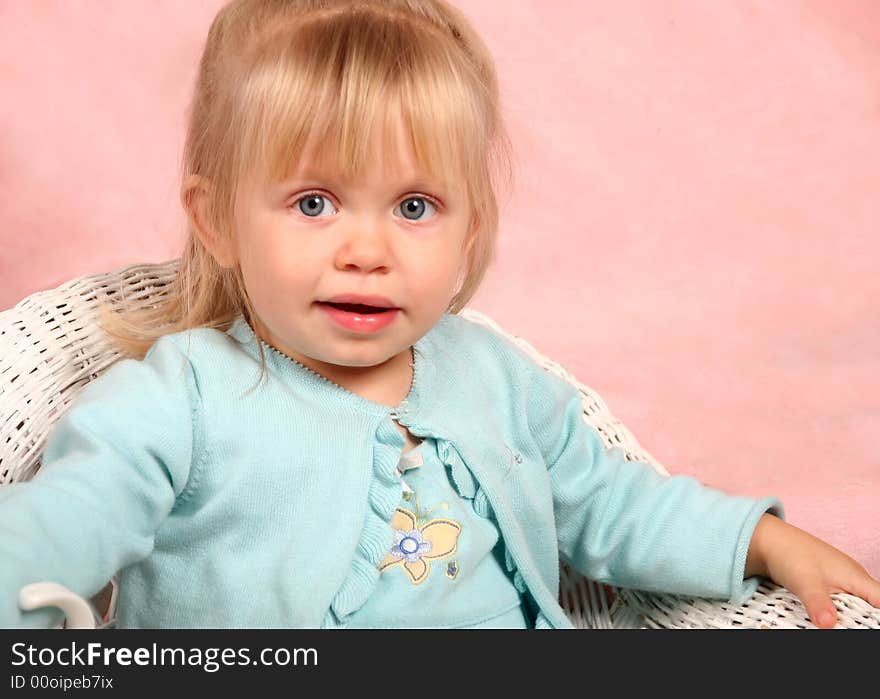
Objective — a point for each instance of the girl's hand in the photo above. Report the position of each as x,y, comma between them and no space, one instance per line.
808,567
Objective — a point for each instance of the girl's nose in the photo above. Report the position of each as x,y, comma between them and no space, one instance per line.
367,245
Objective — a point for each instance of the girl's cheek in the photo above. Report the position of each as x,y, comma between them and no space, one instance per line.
432,280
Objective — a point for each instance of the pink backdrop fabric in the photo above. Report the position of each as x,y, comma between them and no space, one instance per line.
694,231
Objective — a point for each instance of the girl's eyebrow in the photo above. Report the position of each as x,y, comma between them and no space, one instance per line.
416,182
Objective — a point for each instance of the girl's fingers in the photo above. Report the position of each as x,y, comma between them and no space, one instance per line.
867,588
820,608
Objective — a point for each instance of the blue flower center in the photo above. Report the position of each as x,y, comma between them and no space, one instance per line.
409,545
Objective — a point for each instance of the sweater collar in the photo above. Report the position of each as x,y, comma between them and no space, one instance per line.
287,368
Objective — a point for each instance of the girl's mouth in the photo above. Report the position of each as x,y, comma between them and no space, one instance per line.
358,318
357,308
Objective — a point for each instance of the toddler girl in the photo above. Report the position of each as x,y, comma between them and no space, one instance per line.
305,433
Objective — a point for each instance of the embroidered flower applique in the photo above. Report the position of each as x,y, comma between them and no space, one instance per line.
414,547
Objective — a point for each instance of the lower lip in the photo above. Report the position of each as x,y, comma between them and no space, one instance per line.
362,323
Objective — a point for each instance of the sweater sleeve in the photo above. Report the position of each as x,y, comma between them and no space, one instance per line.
112,468
623,523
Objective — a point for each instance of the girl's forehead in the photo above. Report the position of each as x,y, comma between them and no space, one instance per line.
382,155
379,168
390,154
398,165
372,170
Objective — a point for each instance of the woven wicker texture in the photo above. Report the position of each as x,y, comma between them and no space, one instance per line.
51,347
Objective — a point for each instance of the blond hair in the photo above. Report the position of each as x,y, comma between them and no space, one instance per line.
276,77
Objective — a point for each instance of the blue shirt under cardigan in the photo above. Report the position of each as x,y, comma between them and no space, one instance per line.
447,569
223,506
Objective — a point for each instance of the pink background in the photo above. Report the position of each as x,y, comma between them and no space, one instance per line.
694,233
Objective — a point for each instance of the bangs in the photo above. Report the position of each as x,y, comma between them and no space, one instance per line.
313,91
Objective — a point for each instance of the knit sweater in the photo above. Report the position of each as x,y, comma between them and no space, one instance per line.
226,501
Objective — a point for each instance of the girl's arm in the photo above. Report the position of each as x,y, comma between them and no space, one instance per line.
112,468
622,522
809,567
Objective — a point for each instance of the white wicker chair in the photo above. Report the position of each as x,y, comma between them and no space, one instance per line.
51,347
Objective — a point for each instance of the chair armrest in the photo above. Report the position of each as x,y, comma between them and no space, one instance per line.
771,607
79,613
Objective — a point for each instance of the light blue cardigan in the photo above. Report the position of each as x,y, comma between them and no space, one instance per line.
271,508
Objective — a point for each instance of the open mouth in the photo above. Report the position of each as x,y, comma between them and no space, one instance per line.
357,308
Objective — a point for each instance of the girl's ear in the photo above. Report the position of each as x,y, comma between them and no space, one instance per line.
194,196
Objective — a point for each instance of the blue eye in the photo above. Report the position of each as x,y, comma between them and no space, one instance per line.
311,204
415,206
